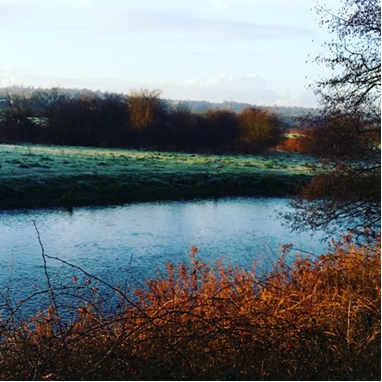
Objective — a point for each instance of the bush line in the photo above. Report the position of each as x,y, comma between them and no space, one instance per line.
318,319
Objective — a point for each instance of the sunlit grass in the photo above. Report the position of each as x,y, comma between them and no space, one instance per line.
57,174
43,161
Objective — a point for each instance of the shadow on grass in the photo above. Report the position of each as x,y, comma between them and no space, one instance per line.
95,190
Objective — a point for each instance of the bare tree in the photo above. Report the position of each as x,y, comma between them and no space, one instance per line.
17,116
148,113
346,187
260,129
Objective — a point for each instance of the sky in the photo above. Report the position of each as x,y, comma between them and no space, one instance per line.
254,51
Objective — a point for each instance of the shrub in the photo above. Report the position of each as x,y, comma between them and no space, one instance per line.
223,125
297,141
182,126
148,117
260,129
314,319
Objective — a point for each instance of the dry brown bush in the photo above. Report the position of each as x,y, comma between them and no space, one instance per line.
318,318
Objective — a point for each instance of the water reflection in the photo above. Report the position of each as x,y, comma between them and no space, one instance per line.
103,241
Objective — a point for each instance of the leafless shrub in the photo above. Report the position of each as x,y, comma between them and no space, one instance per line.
315,319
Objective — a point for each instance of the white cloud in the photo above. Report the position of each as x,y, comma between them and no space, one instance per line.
180,25
9,77
16,12
139,19
12,76
231,81
221,4
240,88
227,4
249,88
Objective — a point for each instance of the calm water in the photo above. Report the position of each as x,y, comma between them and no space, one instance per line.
128,244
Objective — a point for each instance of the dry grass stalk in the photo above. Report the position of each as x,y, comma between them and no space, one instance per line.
315,319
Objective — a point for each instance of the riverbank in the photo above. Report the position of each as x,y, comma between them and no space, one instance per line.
34,176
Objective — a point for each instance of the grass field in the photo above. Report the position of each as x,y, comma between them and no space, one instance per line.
34,175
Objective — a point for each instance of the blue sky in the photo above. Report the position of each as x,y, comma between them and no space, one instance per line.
253,51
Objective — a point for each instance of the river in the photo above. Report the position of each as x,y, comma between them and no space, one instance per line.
129,244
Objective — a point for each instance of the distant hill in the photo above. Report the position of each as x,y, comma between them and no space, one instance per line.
289,115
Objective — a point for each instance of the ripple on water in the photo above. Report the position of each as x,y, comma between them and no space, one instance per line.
128,244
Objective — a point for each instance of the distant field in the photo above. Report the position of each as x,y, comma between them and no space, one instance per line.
34,176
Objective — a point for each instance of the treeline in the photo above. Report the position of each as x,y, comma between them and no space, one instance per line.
141,119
